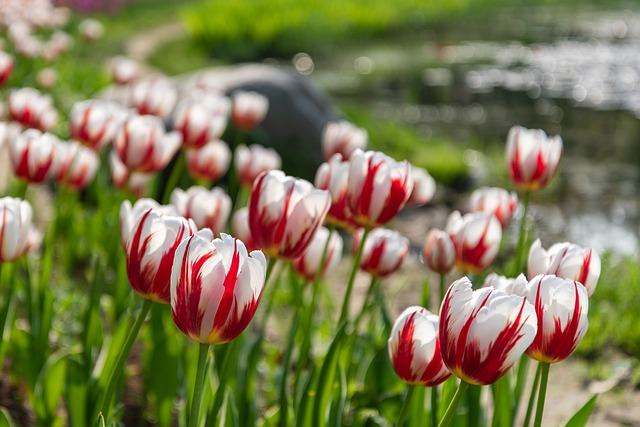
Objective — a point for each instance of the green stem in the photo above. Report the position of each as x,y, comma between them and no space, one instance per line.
344,313
434,406
176,174
198,389
532,396
6,321
544,379
453,406
443,290
384,310
270,266
521,379
122,357
368,301
405,406
522,234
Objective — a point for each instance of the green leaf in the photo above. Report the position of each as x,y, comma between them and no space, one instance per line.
449,388
50,386
340,391
326,380
580,418
77,388
305,406
5,419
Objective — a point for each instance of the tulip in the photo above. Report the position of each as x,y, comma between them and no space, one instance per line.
8,132
124,70
414,348
32,153
253,160
47,78
30,108
532,157
15,228
284,213
150,249
378,187
215,287
90,29
155,97
566,260
383,253
207,208
342,137
497,201
210,162
94,122
476,239
199,121
74,165
424,187
439,253
130,214
6,66
517,286
333,176
248,109
484,332
136,182
143,145
240,228
308,264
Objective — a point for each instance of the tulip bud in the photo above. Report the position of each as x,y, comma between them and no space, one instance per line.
32,153
32,109
424,187
15,226
90,29
333,176
383,253
253,160
284,213
210,162
150,251
308,264
6,66
215,287
484,332
532,157
414,348
136,182
378,188
74,165
124,70
198,121
342,137
439,253
207,208
561,306
496,201
476,239
94,122
248,109
566,260
156,97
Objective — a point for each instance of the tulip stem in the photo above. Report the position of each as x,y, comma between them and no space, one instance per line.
198,389
270,266
453,405
405,406
522,234
442,290
544,379
122,357
368,301
6,279
174,177
532,396
434,405
356,264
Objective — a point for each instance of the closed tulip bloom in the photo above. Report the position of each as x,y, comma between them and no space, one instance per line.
251,161
32,153
150,249
240,228
15,225
308,264
143,145
124,70
476,239
484,332
532,157
342,137
378,188
6,66
32,109
207,208
333,176
566,260
414,348
8,131
497,201
198,121
94,122
155,96
136,182
248,109
210,162
284,213
130,214
90,29
215,287
75,165
561,306
438,252
424,187
383,253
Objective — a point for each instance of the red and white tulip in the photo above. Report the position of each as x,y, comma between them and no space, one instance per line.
308,264
251,161
130,214
15,226
248,109
207,208
32,153
199,120
210,162
74,165
532,157
342,137
155,96
32,109
438,252
424,187
476,239
495,200
333,176
6,66
383,253
124,70
94,122
240,228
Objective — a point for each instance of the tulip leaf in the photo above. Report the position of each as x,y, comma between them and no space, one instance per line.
5,419
50,386
449,388
305,406
580,418
77,389
326,380
339,398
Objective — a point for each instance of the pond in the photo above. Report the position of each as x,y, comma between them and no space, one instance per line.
572,74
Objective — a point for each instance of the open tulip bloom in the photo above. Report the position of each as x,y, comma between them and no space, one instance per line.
532,157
